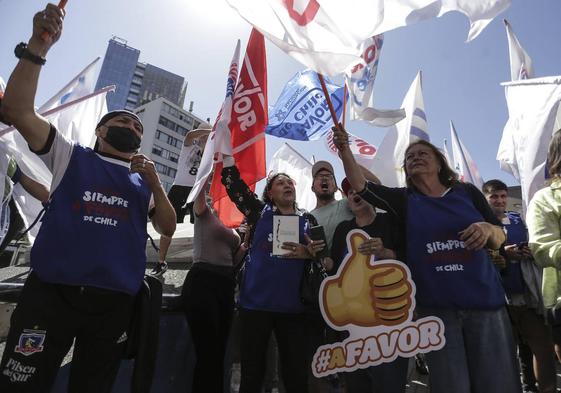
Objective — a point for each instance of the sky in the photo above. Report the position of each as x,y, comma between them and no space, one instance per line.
196,39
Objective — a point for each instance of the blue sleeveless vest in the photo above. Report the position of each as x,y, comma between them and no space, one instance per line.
445,273
271,283
513,280
94,231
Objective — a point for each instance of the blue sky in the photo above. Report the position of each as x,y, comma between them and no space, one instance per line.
461,82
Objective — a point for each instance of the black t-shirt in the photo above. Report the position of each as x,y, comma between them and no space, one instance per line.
383,227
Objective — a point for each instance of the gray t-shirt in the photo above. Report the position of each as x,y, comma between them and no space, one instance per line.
331,215
213,243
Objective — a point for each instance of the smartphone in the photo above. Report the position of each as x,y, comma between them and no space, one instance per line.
317,233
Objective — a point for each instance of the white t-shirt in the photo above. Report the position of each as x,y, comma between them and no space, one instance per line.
188,165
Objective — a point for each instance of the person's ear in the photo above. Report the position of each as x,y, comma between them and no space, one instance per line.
98,129
270,195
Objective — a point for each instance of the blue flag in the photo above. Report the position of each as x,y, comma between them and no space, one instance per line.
301,111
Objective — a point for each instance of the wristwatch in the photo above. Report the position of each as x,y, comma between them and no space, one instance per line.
22,52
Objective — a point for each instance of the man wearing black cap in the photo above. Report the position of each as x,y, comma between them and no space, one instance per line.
329,212
89,257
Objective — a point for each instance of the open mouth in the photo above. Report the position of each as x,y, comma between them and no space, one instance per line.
324,186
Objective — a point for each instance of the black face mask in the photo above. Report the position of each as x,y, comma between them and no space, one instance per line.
122,139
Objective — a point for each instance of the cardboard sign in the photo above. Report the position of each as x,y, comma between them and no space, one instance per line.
374,302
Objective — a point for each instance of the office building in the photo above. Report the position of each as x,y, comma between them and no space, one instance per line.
137,83
165,127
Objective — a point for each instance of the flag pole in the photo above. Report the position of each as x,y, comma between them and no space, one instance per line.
344,104
61,5
328,99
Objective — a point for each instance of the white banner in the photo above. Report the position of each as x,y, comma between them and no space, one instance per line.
388,162
363,151
289,161
81,85
325,35
219,139
532,109
520,63
76,120
360,81
463,163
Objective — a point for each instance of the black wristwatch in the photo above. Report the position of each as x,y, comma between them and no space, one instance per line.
22,52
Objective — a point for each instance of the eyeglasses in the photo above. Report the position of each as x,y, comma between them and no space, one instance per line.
322,176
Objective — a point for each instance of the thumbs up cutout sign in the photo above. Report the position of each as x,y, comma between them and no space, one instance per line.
367,295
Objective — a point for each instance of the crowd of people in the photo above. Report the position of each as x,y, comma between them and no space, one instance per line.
496,290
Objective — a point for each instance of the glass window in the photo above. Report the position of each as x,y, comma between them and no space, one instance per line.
173,157
157,150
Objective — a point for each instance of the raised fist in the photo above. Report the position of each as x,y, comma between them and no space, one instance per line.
367,295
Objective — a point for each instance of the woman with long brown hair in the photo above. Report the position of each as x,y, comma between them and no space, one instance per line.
270,289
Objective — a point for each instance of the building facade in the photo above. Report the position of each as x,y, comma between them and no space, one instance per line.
165,127
118,68
137,83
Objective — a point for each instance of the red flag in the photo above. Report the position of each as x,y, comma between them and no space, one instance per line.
247,127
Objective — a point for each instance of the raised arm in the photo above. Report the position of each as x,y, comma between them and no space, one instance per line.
246,201
199,204
162,213
353,171
19,99
366,183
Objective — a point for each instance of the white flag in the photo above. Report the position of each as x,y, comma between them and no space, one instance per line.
520,62
532,110
289,161
2,87
360,81
520,68
83,113
219,138
388,161
447,153
463,163
326,35
81,85
363,151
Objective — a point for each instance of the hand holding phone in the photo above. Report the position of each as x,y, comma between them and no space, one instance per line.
316,234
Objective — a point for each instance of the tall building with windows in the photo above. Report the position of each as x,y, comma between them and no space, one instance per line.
165,127
137,83
118,68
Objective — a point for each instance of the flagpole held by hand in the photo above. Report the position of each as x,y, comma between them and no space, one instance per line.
61,5
345,92
328,99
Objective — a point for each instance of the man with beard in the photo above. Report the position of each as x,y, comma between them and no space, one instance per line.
329,212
